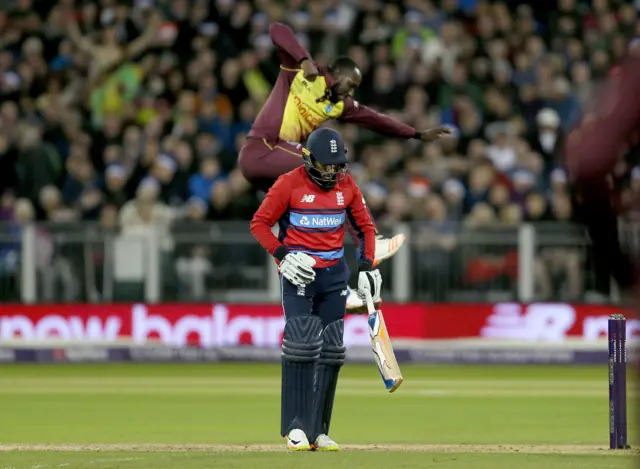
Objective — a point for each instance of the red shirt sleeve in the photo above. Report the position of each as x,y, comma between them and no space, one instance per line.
361,221
270,211
363,116
290,51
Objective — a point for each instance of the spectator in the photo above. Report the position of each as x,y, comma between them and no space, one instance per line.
115,180
547,138
8,162
436,241
564,102
481,179
453,192
193,261
499,197
558,182
536,208
502,152
201,184
397,208
511,215
37,162
51,203
146,215
81,176
558,269
458,83
412,34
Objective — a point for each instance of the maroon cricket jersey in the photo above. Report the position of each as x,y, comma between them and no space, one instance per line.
293,111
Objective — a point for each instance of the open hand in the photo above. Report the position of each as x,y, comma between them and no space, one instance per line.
430,135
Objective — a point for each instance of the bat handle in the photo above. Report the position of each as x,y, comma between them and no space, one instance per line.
371,308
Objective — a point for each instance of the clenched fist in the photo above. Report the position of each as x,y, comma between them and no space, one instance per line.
310,70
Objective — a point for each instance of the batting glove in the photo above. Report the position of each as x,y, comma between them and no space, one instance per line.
369,280
298,268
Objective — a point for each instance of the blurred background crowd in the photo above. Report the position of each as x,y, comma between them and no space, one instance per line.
131,113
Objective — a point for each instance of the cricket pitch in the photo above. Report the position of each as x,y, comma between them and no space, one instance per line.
269,448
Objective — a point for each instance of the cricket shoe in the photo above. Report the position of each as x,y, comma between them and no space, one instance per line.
297,441
387,247
324,443
357,304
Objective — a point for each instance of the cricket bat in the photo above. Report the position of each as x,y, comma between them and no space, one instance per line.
382,349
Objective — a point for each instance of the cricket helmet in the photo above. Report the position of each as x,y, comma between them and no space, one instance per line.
325,157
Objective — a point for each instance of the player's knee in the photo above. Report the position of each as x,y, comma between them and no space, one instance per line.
333,350
302,340
243,163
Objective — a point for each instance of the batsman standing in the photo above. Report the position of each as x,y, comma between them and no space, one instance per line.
303,98
311,204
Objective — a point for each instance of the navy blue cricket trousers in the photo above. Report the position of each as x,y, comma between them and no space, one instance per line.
325,297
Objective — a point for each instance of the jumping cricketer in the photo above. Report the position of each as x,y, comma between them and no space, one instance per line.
304,97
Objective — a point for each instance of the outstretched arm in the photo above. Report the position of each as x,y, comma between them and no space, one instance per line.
141,43
290,51
363,116
82,43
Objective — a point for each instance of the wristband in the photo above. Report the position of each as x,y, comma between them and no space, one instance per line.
280,252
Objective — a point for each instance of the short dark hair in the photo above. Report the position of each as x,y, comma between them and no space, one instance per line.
343,63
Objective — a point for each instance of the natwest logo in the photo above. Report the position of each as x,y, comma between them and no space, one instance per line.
327,221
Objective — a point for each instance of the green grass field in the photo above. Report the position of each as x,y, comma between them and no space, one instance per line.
197,416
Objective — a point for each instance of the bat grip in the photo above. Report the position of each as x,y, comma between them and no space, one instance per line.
370,306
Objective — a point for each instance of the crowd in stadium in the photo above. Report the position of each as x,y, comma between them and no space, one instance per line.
130,112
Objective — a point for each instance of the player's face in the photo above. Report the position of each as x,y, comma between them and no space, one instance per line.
328,175
328,169
346,84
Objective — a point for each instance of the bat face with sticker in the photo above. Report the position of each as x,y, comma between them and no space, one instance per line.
382,348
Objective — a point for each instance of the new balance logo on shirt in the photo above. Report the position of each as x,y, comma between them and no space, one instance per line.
308,198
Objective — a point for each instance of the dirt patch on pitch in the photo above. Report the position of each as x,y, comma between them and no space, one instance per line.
470,448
